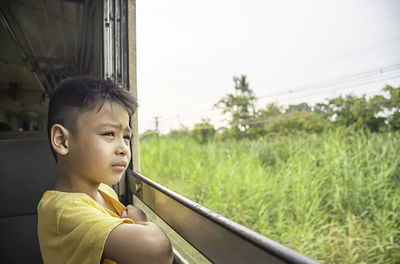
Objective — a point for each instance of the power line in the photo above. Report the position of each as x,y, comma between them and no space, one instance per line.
383,72
304,116
336,81
395,76
324,84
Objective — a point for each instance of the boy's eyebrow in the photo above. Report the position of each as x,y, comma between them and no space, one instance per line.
115,125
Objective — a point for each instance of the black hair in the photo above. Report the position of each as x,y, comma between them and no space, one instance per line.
77,95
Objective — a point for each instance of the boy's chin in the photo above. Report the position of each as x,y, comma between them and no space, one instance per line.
112,181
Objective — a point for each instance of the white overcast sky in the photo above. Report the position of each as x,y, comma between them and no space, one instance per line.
188,52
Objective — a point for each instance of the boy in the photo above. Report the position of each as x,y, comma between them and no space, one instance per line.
81,220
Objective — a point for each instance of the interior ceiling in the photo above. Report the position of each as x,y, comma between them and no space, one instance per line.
44,41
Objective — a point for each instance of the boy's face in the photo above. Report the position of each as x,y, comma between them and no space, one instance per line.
99,150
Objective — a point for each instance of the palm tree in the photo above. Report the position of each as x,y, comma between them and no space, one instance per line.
241,105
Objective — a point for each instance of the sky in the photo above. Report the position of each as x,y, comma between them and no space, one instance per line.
291,52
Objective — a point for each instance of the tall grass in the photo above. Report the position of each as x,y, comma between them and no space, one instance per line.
334,196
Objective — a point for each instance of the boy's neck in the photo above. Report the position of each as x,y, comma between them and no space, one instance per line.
67,184
71,183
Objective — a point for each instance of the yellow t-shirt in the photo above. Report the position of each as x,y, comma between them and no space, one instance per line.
73,228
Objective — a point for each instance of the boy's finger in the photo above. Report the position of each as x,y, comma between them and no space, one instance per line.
124,213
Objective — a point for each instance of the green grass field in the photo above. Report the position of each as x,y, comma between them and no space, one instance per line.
334,197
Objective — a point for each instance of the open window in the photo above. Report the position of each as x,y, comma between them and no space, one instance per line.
44,42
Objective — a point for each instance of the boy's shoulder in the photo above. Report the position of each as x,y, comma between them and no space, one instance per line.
54,201
74,226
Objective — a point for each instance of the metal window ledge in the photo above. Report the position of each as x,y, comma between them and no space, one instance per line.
217,238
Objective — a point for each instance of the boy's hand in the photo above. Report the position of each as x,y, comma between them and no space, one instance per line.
136,214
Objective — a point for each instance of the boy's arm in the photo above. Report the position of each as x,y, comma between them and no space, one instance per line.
142,242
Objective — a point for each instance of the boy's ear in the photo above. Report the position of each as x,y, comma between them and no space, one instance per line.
60,139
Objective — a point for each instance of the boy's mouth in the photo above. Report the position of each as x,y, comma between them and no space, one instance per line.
120,166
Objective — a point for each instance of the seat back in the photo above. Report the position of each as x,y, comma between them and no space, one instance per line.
27,170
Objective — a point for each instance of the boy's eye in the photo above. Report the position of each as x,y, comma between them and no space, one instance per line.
108,134
127,138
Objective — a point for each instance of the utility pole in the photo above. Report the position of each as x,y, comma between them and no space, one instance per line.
156,122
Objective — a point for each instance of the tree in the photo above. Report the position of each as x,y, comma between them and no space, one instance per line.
203,132
356,112
240,105
181,132
300,108
322,109
393,105
271,110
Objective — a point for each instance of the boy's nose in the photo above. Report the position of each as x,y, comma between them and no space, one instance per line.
123,148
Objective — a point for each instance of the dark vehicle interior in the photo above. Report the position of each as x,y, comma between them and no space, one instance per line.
41,43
